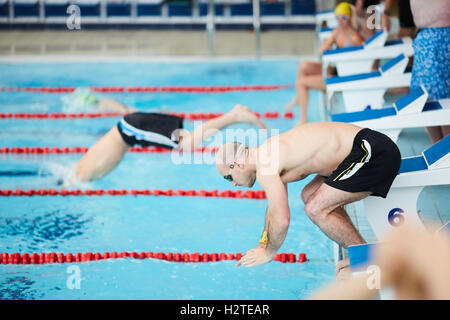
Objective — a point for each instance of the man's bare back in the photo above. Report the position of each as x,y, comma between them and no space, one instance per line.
317,147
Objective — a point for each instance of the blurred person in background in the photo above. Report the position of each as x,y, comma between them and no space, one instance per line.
362,15
431,66
310,72
405,17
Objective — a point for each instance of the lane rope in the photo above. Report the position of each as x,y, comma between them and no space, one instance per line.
239,194
53,257
146,89
71,150
184,115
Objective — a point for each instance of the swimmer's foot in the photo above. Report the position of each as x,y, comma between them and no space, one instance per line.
342,268
243,114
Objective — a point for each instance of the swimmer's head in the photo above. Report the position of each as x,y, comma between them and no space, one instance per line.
343,12
232,164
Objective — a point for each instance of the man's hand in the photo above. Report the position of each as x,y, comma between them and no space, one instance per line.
254,257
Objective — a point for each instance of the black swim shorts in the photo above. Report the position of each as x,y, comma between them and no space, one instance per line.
150,129
371,166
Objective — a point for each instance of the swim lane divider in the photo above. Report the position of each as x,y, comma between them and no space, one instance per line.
184,115
147,89
239,194
65,150
52,257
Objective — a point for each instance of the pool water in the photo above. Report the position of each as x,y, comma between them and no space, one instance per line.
146,223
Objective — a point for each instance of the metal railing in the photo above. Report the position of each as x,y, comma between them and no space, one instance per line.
210,21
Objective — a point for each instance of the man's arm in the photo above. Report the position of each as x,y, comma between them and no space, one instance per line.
385,20
278,214
266,223
277,222
328,43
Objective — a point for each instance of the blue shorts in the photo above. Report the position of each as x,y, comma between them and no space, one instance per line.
432,62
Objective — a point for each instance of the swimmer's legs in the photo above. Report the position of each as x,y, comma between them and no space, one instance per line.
437,133
309,77
114,106
324,207
189,140
312,187
102,157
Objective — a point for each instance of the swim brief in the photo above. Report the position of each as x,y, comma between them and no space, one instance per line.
150,129
432,62
371,166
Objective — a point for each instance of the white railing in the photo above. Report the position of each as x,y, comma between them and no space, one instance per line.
210,20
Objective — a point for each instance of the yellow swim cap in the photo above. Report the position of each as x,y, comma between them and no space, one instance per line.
344,9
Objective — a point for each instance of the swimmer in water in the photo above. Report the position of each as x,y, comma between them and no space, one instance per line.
350,164
82,100
151,129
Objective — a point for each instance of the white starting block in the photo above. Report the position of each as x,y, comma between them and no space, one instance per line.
400,205
369,88
411,111
431,168
359,59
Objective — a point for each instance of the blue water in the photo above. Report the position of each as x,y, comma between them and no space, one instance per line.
143,223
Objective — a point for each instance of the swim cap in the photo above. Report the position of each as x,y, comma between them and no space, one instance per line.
344,9
81,100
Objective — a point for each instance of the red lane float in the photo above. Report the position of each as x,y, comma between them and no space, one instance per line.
147,89
184,115
52,257
67,150
238,194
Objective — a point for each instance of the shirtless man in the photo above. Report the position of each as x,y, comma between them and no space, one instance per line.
151,129
351,164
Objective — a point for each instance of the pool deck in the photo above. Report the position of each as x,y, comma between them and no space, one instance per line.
154,43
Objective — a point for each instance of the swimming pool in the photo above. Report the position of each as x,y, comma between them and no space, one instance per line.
145,223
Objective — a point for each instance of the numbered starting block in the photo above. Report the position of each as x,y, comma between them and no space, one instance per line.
430,168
